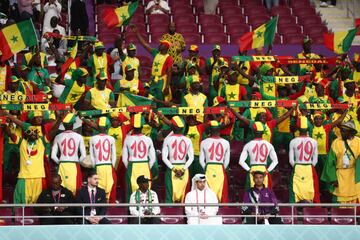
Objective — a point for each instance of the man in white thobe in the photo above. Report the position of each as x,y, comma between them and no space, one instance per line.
201,194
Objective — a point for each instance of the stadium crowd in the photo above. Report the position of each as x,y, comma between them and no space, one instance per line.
51,151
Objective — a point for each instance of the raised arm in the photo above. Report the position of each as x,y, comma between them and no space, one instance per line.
54,150
141,39
285,116
339,120
240,117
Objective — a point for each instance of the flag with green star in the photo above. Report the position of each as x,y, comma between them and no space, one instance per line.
260,37
116,17
16,37
340,42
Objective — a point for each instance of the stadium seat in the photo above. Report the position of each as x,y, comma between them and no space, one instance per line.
230,10
299,3
231,19
230,211
158,19
289,29
183,10
280,10
208,20
184,20
118,211
342,216
293,39
179,4
287,20
285,213
158,29
233,3
172,211
309,19
304,11
237,28
237,175
5,212
155,38
255,11
192,38
281,193
131,38
145,72
234,38
26,221
250,2
145,61
312,212
316,29
215,28
256,21
317,39
187,28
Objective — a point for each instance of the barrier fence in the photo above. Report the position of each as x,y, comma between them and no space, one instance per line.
19,214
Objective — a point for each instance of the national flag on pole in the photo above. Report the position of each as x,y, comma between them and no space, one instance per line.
72,62
116,17
17,37
261,36
339,42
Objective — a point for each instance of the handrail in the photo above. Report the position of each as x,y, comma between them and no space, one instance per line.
292,215
350,10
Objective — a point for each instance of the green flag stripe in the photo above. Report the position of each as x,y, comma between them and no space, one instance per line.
28,33
349,39
270,31
132,8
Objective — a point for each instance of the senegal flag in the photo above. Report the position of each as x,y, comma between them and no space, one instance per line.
340,42
17,37
261,36
116,17
128,99
72,62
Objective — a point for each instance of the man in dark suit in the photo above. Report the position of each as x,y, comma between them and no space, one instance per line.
55,194
92,194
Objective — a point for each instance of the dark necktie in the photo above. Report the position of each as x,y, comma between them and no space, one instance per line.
92,196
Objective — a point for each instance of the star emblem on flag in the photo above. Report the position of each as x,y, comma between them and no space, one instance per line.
269,88
123,17
14,38
319,135
340,45
156,64
191,135
259,34
74,96
115,136
232,95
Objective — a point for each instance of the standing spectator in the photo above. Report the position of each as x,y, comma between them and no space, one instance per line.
210,6
92,194
25,9
260,194
177,43
52,9
157,7
79,17
143,195
340,170
55,194
271,3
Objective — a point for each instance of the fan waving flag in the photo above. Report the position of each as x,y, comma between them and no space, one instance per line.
339,42
72,62
116,17
17,37
261,36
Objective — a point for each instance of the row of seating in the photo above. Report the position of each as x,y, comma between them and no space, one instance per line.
310,215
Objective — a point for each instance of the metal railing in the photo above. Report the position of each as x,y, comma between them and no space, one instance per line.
22,218
350,6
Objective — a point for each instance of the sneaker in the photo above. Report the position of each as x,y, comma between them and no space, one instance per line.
323,4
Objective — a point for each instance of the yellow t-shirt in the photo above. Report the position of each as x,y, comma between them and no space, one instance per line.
32,159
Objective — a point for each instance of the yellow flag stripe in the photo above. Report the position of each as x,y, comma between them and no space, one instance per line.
338,41
13,37
258,37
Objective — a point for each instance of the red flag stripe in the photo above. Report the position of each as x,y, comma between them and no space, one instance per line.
110,18
246,41
329,40
4,47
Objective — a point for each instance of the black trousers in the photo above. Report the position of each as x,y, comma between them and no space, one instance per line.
333,2
272,220
102,221
145,220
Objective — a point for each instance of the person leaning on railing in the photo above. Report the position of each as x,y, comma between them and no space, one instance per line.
260,194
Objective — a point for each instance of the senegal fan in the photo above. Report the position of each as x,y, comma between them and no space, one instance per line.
258,150
215,158
303,157
138,154
178,155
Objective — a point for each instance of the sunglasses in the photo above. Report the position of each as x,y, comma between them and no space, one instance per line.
31,131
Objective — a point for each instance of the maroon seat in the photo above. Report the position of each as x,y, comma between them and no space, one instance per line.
187,28
29,219
343,216
307,19
182,10
293,39
184,20
158,18
120,211
316,29
215,28
304,11
158,29
6,212
236,219
230,10
286,20
237,28
179,4
255,11
207,19
172,211
192,38
131,38
282,194
312,212
237,175
215,38
277,39
317,38
145,73
234,38
299,3
280,10
231,19
255,20
228,3
285,213
289,30
155,38
136,19
250,2
199,6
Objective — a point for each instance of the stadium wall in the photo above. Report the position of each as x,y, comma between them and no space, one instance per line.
181,232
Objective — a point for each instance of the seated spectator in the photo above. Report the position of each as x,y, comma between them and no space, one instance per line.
201,193
157,7
92,194
144,195
54,25
55,194
51,9
210,6
271,3
260,194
